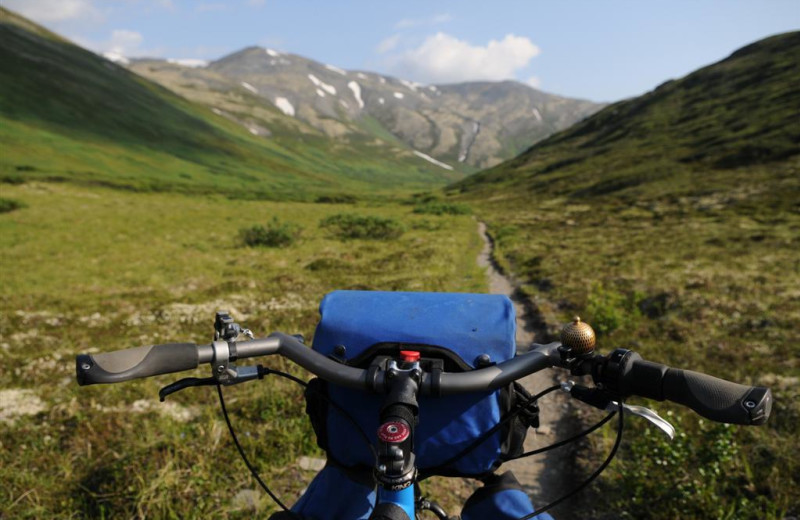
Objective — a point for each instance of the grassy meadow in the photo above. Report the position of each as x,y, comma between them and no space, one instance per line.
88,269
670,222
708,281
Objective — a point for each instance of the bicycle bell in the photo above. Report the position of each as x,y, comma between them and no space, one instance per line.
578,336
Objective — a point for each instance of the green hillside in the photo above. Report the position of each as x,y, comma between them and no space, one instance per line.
739,112
68,114
671,222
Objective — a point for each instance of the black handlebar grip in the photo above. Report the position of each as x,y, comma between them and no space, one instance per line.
717,399
134,363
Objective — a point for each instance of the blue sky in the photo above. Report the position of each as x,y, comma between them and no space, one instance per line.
598,50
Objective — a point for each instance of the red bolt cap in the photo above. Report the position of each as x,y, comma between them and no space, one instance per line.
409,356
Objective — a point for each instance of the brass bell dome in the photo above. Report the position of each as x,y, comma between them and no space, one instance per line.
578,336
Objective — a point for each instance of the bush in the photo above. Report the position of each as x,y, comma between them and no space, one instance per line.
7,205
275,234
357,226
610,310
12,179
442,208
342,198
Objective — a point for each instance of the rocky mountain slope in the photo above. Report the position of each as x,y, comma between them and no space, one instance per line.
67,114
465,126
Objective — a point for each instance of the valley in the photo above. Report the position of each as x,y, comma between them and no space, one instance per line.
670,222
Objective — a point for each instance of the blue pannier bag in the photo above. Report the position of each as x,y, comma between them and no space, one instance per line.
465,331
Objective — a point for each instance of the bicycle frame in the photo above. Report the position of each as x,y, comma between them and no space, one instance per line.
395,468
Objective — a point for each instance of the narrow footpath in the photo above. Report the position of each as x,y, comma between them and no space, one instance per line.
548,476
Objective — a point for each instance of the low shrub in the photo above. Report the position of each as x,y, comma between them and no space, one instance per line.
610,310
367,227
442,208
274,234
7,205
12,179
341,198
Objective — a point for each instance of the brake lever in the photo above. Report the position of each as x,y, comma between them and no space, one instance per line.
603,400
646,413
179,385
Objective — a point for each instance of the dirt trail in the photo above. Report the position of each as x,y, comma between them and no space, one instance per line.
548,476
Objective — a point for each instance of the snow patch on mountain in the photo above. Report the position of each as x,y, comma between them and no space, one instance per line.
320,92
537,114
356,88
361,75
336,70
273,53
413,85
116,58
249,87
432,160
188,62
285,106
330,89
381,101
399,95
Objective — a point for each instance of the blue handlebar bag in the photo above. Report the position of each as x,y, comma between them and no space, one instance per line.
463,330
457,327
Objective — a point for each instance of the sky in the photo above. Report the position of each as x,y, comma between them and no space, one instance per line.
599,50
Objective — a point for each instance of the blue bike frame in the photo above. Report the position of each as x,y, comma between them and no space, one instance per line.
403,499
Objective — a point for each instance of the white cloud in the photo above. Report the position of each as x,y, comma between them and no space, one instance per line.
442,58
388,44
407,23
44,11
124,41
534,82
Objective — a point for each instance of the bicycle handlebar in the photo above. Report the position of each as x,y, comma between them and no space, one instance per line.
622,371
711,397
134,363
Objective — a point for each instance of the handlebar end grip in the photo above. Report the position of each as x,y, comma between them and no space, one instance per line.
717,399
134,363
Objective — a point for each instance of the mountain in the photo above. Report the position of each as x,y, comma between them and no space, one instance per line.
466,126
68,114
687,135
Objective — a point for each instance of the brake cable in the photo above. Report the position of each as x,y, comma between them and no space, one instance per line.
519,409
244,457
262,371
486,435
574,438
590,479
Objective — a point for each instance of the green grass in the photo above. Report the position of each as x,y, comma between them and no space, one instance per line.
671,222
709,283
94,269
